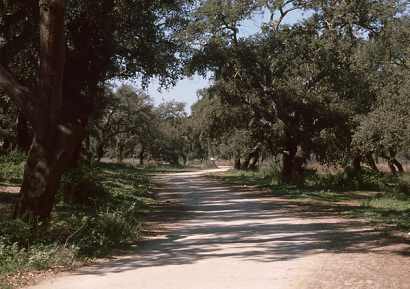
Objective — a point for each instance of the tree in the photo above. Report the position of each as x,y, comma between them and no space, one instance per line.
128,119
105,39
171,141
297,78
55,138
229,130
385,129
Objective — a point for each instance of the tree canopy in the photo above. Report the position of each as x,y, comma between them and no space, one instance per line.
333,85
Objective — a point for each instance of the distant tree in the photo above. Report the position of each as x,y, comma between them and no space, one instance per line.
227,129
171,142
128,120
298,79
385,129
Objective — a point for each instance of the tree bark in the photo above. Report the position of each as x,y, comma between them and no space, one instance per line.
237,162
120,149
371,162
22,141
6,144
56,140
392,162
48,159
254,162
290,150
246,164
100,151
298,161
356,162
141,155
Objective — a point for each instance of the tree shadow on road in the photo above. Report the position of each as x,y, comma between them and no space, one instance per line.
217,221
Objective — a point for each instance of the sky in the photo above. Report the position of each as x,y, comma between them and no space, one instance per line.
186,90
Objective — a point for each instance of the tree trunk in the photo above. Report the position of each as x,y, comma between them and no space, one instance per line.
290,149
184,159
84,153
392,162
237,162
254,162
141,155
298,161
49,157
246,164
6,143
371,162
100,151
356,162
120,149
55,141
22,141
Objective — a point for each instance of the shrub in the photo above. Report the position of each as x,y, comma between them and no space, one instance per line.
209,166
403,186
271,170
82,186
349,179
12,164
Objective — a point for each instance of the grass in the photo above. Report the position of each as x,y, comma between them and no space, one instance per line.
378,198
99,212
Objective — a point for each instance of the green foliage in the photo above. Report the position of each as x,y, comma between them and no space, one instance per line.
12,163
208,166
119,195
82,185
403,186
271,170
349,179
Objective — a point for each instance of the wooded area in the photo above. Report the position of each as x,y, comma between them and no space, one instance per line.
332,87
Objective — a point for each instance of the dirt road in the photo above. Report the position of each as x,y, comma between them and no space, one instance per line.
237,239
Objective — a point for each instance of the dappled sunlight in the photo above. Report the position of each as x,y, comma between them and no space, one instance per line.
228,225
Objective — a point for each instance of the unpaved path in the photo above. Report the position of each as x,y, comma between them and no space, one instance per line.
236,239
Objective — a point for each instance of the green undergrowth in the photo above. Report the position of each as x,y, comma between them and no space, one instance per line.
11,167
381,199
99,211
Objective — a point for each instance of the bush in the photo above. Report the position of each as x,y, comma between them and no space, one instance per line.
403,186
349,179
119,194
209,166
82,186
12,164
272,170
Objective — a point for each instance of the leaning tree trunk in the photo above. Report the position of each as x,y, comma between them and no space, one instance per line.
392,162
49,157
55,140
371,162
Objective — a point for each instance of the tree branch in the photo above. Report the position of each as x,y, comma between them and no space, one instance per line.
20,94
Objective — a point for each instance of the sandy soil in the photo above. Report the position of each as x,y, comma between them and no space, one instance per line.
218,236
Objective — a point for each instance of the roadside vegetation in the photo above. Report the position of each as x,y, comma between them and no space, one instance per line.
380,198
99,211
